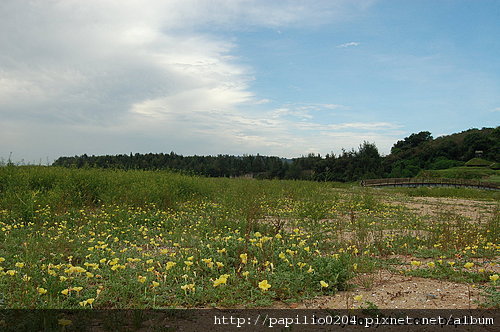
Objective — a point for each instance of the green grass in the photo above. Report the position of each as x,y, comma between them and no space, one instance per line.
463,172
492,297
466,193
446,272
479,162
140,239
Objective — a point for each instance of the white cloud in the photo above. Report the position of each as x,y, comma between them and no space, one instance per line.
341,128
365,126
262,101
350,44
95,60
304,110
133,75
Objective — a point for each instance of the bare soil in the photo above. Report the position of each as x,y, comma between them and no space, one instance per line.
389,290
475,210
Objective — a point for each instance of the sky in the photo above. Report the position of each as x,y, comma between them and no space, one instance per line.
206,77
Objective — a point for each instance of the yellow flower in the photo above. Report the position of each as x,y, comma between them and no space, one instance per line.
323,284
431,264
114,261
451,263
310,269
77,289
219,264
264,285
415,263
75,269
11,272
188,287
133,260
2,259
244,258
65,291
41,290
170,265
87,301
245,274
468,265
141,279
208,261
358,298
494,277
155,284
20,265
188,263
221,280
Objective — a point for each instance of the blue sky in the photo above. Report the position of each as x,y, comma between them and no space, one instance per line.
279,78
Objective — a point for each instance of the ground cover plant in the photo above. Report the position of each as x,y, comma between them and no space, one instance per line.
90,238
486,174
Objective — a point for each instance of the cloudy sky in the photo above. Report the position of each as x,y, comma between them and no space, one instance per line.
281,78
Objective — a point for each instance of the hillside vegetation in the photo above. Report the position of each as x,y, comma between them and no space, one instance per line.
476,173
408,157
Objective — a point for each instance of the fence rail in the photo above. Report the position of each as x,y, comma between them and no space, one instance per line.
429,182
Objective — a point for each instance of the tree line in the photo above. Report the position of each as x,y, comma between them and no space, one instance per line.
419,151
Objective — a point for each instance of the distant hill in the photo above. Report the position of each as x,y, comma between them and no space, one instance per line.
422,152
478,162
470,173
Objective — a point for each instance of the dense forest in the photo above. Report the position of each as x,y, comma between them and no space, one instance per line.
408,157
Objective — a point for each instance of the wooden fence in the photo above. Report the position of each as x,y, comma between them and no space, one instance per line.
429,182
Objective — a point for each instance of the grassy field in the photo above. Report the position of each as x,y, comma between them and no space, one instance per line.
133,239
477,173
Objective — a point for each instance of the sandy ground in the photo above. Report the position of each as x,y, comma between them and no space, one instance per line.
475,210
394,291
